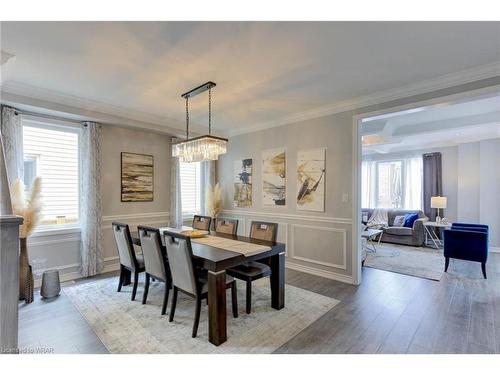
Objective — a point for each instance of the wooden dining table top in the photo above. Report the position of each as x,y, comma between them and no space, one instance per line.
217,259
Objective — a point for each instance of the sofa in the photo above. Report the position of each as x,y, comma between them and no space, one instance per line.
414,236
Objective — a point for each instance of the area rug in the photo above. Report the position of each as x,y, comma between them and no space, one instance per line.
126,326
414,261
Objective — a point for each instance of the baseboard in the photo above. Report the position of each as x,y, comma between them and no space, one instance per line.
494,249
319,272
71,272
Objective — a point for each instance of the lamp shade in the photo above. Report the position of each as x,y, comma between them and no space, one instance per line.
438,202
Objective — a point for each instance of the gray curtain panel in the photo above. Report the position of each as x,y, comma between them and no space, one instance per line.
91,254
207,177
12,135
175,194
432,181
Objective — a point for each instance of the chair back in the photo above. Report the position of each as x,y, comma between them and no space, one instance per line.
201,222
180,259
261,230
154,258
124,244
227,226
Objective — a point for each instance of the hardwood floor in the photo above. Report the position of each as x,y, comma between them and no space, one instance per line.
388,313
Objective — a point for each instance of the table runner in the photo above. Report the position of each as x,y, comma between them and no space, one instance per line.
245,248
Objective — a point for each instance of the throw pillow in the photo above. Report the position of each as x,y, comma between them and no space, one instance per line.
399,221
410,219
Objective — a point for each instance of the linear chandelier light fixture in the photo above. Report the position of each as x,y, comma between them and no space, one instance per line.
205,147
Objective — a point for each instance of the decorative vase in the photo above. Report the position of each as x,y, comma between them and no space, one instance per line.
25,273
51,285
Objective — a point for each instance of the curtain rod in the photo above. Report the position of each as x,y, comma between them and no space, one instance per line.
52,117
35,114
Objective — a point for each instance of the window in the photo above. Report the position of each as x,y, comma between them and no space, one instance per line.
190,188
389,184
51,152
392,183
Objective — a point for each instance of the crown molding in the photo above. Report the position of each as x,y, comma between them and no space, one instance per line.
19,94
422,87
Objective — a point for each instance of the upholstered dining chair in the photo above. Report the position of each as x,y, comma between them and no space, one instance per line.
186,278
226,226
201,222
155,262
129,260
251,271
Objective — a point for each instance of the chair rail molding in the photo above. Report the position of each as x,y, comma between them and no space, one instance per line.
280,215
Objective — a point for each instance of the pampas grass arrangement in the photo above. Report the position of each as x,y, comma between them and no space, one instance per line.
29,209
214,200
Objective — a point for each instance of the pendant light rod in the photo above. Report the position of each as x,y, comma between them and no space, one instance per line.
198,90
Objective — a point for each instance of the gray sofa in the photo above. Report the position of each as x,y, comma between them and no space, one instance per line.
401,235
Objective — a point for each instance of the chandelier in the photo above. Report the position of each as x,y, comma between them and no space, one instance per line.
205,147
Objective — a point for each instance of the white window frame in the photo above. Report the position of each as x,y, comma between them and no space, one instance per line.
188,215
70,127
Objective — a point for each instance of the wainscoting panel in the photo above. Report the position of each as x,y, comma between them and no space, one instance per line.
318,245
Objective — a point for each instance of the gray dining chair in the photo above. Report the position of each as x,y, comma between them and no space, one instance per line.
251,271
129,260
201,222
186,278
226,226
155,262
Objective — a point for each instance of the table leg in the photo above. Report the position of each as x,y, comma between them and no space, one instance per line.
433,237
278,281
217,330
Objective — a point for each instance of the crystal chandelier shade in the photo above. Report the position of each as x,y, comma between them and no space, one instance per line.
199,149
206,147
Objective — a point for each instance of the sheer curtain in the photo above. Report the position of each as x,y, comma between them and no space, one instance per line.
91,254
207,176
368,184
12,135
413,184
175,193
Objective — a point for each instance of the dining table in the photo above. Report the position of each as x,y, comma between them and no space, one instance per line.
213,255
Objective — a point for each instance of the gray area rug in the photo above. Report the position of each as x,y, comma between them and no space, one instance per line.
414,261
126,326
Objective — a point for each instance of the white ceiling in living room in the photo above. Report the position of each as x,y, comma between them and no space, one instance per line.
441,125
267,73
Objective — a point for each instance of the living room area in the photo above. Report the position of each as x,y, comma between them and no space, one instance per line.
429,178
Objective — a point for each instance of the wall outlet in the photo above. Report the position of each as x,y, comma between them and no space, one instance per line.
345,197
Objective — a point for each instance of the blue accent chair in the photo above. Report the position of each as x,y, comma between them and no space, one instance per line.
467,242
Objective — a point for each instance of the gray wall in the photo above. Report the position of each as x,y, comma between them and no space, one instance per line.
330,231
319,243
61,250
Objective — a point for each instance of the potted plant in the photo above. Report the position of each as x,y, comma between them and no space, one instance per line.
30,209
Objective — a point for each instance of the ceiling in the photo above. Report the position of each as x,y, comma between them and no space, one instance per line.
266,72
445,124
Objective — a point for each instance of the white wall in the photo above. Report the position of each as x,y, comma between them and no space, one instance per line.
61,251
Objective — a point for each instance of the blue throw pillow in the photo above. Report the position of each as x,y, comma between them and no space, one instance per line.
410,219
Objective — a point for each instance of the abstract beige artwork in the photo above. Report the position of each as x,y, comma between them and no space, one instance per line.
137,177
243,183
311,180
274,177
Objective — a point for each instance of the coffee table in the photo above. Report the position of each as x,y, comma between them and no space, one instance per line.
371,237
